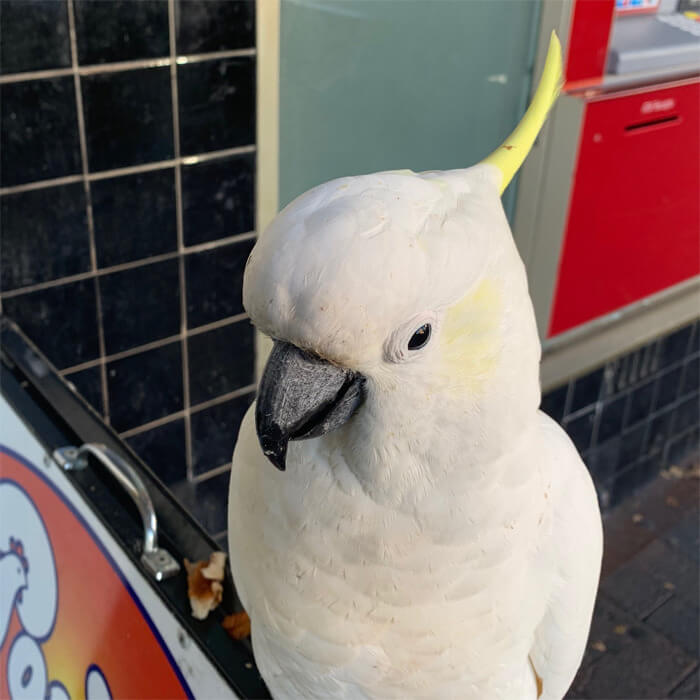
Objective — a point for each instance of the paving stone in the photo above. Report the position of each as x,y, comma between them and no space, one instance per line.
686,535
607,617
624,539
635,591
640,664
689,688
644,635
668,564
677,619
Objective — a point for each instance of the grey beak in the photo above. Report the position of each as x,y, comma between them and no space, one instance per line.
302,396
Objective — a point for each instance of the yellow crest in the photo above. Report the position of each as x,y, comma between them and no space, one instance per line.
510,155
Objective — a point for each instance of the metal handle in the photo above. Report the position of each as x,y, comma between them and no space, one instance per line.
159,562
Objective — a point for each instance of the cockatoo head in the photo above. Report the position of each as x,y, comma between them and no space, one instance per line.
399,297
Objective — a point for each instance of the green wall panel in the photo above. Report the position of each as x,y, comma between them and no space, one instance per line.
369,85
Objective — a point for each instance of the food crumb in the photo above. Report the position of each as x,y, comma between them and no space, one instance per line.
237,625
204,587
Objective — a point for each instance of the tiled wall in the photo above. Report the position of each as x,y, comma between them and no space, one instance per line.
126,203
636,415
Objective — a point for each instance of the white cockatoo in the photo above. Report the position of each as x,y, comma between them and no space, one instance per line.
428,532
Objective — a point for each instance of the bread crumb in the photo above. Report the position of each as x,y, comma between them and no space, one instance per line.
237,625
204,587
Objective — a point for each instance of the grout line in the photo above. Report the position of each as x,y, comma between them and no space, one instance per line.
86,275
102,349
48,285
133,169
691,671
588,408
152,424
216,324
237,393
568,398
35,75
211,473
220,242
82,138
213,155
121,267
128,170
180,238
73,369
123,66
214,55
81,276
119,66
635,369
183,414
41,184
154,344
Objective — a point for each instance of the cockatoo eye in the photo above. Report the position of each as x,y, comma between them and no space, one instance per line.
414,334
420,338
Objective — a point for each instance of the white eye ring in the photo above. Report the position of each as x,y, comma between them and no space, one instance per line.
396,347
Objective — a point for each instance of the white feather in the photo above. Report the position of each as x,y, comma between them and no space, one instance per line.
447,539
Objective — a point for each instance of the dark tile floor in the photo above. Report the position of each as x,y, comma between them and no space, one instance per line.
644,637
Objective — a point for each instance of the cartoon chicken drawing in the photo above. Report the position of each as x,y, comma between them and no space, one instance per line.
28,584
27,566
13,574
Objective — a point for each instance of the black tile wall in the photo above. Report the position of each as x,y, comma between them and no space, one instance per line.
206,500
218,198
217,104
554,402
39,136
216,25
121,30
134,216
140,305
635,416
212,371
639,403
163,450
61,320
667,388
124,241
611,417
44,235
580,429
34,36
88,383
674,348
691,378
128,118
586,390
145,387
214,283
659,431
213,437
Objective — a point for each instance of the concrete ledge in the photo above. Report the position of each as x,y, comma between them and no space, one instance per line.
577,351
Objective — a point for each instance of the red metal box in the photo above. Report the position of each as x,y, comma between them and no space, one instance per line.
633,225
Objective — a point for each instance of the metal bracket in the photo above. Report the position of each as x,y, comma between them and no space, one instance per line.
158,562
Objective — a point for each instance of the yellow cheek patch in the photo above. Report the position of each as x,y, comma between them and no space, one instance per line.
470,336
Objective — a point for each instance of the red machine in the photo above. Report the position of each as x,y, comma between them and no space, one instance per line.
632,225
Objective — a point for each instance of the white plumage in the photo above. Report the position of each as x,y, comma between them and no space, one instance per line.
445,542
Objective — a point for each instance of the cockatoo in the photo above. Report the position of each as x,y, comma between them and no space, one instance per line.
428,532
